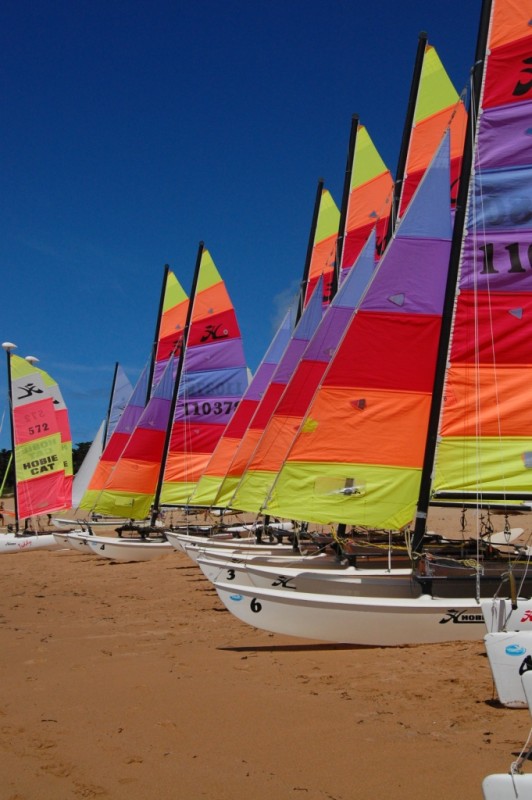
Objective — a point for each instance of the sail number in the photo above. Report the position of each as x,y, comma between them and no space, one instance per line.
514,258
35,429
217,407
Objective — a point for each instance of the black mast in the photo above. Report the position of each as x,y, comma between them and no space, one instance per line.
157,332
8,346
407,134
310,248
344,207
110,406
173,404
452,278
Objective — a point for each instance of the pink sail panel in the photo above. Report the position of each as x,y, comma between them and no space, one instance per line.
213,380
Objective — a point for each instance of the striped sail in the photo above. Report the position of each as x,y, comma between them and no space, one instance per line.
438,107
172,324
129,490
299,339
213,380
116,444
214,473
66,436
275,442
370,196
324,245
41,483
170,333
358,456
486,427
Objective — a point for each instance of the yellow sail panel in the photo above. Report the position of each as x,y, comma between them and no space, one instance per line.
361,494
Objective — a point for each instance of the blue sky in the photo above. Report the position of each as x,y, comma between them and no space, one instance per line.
133,130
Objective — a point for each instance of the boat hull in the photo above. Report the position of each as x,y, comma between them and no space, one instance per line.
129,550
355,620
11,543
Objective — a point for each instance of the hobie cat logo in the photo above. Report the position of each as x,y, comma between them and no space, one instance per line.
461,617
515,650
527,616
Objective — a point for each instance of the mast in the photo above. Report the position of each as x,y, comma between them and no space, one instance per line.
310,247
345,205
407,133
8,347
157,332
452,278
110,406
179,372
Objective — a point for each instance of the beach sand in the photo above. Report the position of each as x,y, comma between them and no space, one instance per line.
131,681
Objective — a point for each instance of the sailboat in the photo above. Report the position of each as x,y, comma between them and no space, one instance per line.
204,375
391,494
42,446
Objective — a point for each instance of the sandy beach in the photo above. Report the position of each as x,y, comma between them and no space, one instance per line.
132,681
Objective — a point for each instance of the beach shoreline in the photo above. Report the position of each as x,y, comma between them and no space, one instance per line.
132,681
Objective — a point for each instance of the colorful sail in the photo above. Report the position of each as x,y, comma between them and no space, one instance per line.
438,107
214,473
41,483
212,383
301,335
275,442
169,336
117,443
129,490
358,456
486,429
370,197
172,324
324,245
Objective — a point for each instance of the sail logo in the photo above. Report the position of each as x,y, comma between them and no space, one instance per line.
462,617
515,650
212,333
527,616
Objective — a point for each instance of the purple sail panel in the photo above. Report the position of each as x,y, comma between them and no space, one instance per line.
224,354
505,137
417,290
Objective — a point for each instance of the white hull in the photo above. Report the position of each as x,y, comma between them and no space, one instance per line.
317,576
355,620
129,549
500,616
11,543
224,543
507,787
